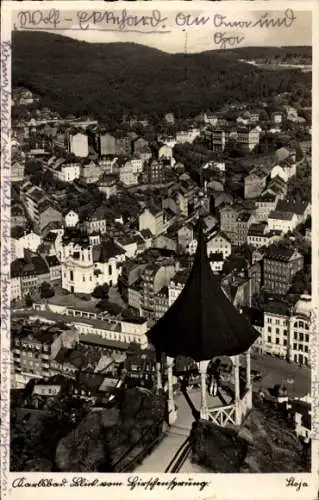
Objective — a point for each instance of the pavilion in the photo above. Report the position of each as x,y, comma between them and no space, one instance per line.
202,324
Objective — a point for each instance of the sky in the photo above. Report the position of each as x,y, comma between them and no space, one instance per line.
199,38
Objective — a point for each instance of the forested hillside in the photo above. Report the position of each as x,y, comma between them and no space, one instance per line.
107,80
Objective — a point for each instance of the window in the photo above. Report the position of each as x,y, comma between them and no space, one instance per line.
301,336
285,342
110,269
269,329
295,336
83,278
301,324
306,348
306,337
295,347
71,276
277,340
300,347
277,322
268,320
269,338
285,332
277,331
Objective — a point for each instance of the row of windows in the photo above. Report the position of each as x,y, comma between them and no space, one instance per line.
297,324
302,337
277,340
300,347
277,330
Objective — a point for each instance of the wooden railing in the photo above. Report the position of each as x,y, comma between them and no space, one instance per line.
222,415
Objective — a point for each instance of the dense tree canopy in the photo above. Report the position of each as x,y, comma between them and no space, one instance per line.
107,79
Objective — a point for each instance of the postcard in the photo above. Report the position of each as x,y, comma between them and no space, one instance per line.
159,272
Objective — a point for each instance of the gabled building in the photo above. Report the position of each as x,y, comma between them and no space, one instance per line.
90,171
264,205
152,219
22,240
71,218
219,243
282,221
302,209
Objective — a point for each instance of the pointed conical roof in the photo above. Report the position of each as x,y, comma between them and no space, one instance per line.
202,323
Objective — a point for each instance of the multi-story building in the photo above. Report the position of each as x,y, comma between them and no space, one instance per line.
31,359
107,184
264,205
129,174
152,219
26,240
187,136
280,266
17,169
67,172
300,324
109,165
154,277
54,267
95,224
301,209
39,207
106,144
185,235
18,217
78,144
248,138
154,172
71,218
123,145
219,243
282,221
141,148
286,330
165,152
176,285
285,170
228,221
161,303
90,171
244,220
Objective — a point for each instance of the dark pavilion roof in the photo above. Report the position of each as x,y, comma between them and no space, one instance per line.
202,323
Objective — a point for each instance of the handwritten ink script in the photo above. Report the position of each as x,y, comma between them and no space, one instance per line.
133,482
5,258
314,350
154,22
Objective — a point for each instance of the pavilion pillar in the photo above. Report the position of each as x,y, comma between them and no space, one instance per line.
171,403
237,392
158,368
202,366
248,379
